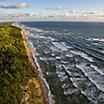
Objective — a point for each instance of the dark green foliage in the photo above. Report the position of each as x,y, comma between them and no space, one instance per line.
15,69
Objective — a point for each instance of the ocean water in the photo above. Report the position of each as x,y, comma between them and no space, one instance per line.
71,57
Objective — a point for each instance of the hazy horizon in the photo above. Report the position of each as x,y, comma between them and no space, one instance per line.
65,10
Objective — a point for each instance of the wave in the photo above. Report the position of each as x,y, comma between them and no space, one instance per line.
92,75
68,88
96,39
83,55
87,87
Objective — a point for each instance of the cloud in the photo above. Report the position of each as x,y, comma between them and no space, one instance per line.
71,14
17,6
85,15
57,8
93,15
18,16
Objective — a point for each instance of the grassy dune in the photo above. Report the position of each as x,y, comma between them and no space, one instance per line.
19,83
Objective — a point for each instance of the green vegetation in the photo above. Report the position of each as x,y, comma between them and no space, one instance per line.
15,69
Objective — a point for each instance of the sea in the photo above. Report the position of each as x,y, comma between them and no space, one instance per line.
71,58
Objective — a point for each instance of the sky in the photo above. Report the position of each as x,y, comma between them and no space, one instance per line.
53,9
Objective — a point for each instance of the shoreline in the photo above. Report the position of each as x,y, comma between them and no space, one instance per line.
47,95
43,80
30,58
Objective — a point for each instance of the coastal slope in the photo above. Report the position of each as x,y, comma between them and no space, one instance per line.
19,83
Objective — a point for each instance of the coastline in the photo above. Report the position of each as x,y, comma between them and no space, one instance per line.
30,58
47,96
18,79
44,83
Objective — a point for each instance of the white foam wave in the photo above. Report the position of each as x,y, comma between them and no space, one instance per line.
96,39
85,56
96,68
92,76
79,81
60,46
83,92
